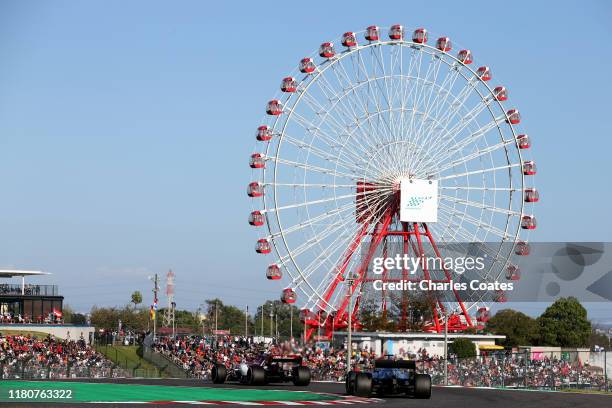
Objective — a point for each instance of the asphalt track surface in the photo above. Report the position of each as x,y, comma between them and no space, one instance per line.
442,397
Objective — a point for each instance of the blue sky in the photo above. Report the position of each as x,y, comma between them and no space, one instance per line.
125,128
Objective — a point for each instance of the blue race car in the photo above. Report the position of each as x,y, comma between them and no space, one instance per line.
389,377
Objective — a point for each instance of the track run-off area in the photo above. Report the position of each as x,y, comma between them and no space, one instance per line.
176,392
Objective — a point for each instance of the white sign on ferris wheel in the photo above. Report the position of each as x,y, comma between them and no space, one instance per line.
419,200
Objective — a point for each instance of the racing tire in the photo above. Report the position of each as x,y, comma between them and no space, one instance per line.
218,374
422,386
350,383
363,385
256,376
301,376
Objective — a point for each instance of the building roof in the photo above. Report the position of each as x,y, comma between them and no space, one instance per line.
9,273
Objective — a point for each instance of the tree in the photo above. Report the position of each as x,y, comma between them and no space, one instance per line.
519,329
462,348
136,298
565,324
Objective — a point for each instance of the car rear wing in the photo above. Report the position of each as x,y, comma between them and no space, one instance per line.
288,359
406,364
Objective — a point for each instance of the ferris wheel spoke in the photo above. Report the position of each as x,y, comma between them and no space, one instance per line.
318,169
465,159
510,189
480,206
469,173
351,166
475,221
324,136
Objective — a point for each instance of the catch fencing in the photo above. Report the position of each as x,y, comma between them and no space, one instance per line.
542,371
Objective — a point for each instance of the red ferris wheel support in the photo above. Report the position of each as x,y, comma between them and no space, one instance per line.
413,236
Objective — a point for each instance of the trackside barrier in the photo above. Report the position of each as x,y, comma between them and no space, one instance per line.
31,371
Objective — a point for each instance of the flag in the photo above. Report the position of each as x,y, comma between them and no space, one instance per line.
57,313
152,313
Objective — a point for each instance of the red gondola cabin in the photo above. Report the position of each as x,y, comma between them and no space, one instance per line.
444,44
523,141
274,108
501,93
257,219
263,246
307,65
396,32
465,56
264,133
349,39
484,73
513,272
483,314
255,189
327,50
419,36
257,161
289,296
289,84
532,195
528,222
274,272
522,248
372,33
529,168
514,117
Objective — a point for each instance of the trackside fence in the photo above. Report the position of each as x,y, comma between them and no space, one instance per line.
543,371
31,371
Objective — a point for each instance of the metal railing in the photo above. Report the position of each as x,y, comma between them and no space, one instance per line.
30,371
29,290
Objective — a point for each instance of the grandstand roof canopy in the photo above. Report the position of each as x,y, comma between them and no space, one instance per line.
9,273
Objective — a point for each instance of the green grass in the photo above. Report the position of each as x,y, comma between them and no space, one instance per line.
108,392
126,357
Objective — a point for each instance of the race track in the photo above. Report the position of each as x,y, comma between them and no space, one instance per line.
442,397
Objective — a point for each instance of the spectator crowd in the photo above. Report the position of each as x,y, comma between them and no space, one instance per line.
196,355
32,357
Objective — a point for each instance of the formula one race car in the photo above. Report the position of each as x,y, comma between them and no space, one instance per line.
265,369
389,377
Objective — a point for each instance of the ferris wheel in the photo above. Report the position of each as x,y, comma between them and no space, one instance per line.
377,145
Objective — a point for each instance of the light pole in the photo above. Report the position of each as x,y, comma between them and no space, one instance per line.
349,340
445,347
291,324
